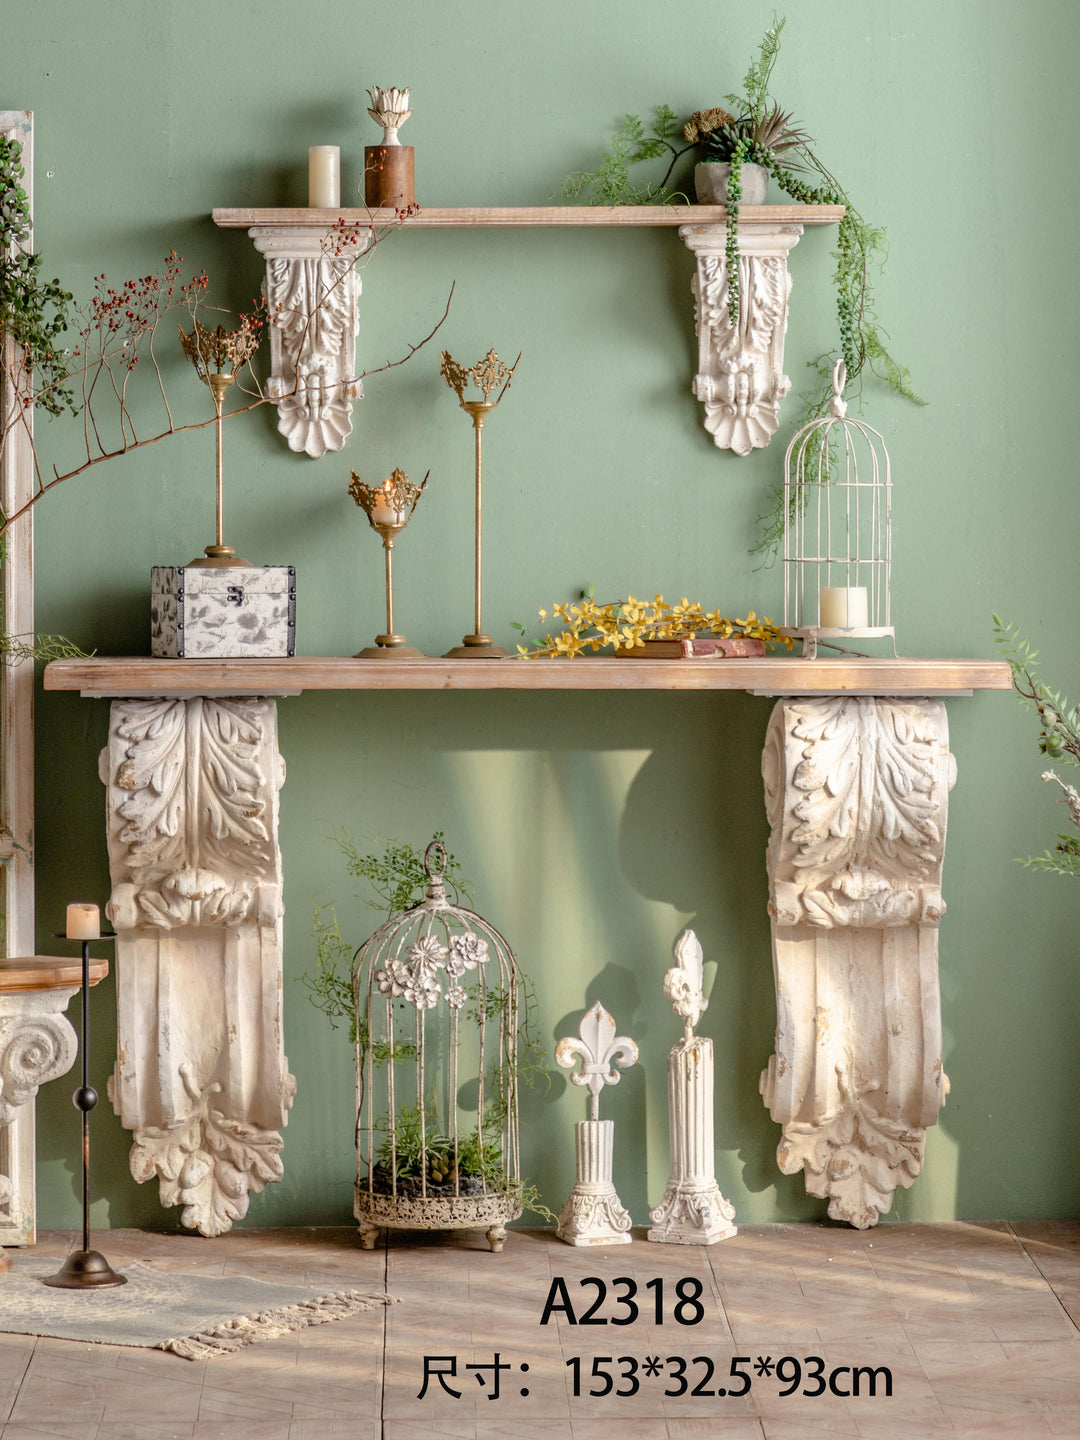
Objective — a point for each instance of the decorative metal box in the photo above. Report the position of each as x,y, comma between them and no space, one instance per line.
218,612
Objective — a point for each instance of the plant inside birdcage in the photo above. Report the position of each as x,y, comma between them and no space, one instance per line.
441,1041
414,1155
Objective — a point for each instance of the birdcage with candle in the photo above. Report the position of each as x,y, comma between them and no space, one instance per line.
837,529
436,990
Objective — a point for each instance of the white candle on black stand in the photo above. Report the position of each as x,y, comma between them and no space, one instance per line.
85,1269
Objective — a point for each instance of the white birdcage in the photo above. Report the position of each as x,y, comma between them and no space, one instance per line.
436,991
837,529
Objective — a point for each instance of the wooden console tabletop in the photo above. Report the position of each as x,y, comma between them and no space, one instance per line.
771,675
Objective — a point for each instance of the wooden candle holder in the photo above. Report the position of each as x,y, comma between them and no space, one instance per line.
388,177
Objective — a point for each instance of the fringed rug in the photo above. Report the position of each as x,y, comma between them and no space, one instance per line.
197,1317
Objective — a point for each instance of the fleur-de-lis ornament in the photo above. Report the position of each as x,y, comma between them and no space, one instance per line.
683,982
599,1050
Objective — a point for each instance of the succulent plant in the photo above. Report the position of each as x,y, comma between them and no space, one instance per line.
773,136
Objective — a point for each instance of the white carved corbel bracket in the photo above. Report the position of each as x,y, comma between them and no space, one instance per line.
312,293
740,377
37,1044
201,1076
856,791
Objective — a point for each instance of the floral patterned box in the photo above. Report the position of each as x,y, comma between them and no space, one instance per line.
210,612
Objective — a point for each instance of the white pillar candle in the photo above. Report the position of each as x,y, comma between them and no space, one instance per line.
83,922
324,177
843,607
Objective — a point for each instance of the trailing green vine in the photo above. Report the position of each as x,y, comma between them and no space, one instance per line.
1059,739
756,131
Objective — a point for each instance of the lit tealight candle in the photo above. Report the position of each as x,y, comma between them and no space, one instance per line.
843,607
83,922
382,511
324,177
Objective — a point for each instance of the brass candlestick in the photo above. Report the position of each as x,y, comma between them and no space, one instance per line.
389,509
486,374
210,351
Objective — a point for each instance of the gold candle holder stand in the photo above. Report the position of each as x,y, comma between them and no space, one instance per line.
210,351
389,509
486,374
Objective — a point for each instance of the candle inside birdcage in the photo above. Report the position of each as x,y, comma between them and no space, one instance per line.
837,529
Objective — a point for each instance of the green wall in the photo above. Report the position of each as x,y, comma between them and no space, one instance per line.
594,827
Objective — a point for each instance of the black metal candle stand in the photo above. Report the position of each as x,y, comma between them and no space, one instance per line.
85,1269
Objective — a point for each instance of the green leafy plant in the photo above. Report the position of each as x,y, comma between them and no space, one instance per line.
611,183
412,1154
65,357
34,312
1059,739
395,879
757,130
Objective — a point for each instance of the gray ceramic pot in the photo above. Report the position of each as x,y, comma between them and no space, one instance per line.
711,180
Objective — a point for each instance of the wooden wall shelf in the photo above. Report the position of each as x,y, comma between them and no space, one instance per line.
740,379
436,217
772,675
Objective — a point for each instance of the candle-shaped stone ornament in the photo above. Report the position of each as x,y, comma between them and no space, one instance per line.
593,1214
324,177
83,922
693,1211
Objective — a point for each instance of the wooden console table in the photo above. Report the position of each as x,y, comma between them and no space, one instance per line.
857,774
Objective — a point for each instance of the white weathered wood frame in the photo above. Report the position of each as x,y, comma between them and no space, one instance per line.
17,1215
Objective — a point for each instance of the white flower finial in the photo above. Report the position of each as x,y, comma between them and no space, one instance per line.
598,1049
683,983
389,108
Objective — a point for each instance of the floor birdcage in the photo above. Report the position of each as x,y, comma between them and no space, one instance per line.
436,990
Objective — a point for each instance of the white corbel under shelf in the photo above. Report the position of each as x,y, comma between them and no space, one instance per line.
312,293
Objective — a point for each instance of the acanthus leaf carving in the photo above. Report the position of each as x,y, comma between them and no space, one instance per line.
857,798
862,843
593,1218
190,789
201,1078
210,1165
312,292
740,378
855,1159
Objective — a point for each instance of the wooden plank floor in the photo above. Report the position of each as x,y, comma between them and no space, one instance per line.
978,1325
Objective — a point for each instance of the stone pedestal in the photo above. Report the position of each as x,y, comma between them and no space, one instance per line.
593,1213
693,1211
